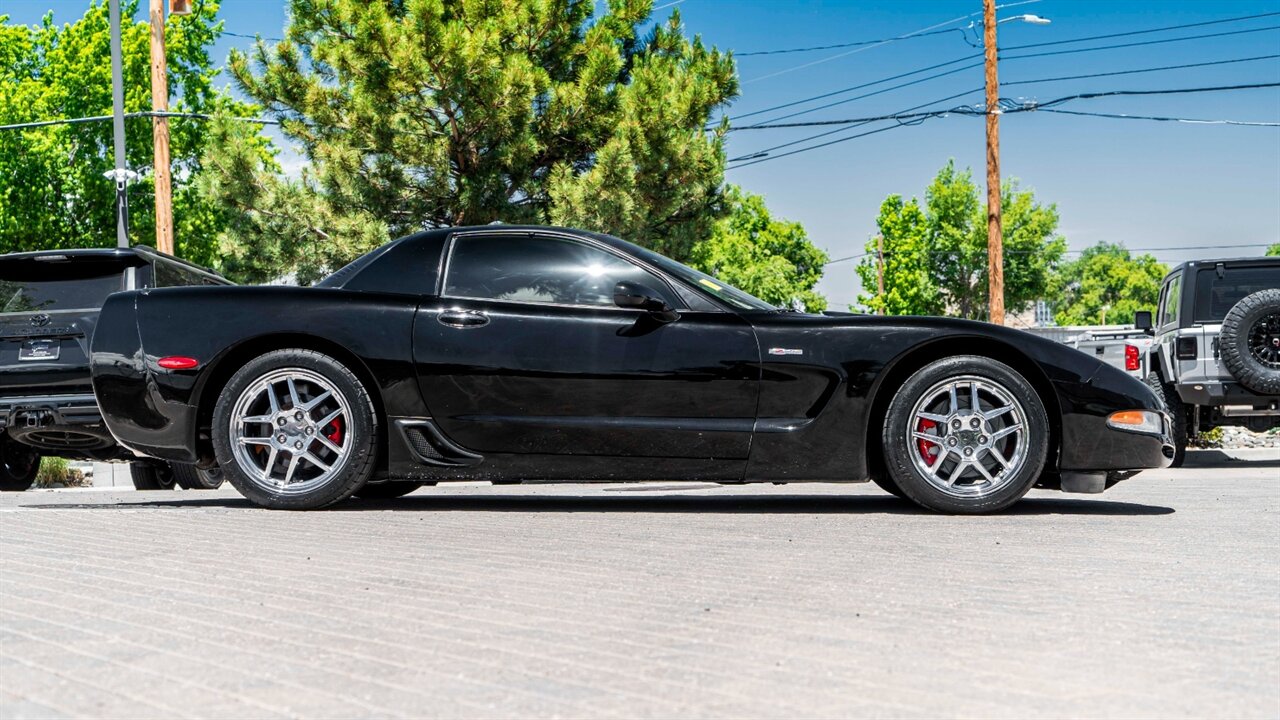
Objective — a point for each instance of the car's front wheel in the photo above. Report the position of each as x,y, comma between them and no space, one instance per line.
966,435
295,429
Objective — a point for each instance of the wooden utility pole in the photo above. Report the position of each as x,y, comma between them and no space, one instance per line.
995,237
160,132
880,272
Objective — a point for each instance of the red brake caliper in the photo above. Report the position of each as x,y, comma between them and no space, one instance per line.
923,445
335,436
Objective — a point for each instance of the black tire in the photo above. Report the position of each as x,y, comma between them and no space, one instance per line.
387,490
152,475
1024,443
886,483
1173,405
1250,341
346,474
19,465
192,477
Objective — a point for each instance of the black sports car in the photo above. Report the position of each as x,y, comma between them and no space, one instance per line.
518,354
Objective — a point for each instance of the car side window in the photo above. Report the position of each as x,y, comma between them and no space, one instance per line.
540,270
1172,300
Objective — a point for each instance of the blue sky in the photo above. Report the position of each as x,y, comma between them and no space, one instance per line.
1146,184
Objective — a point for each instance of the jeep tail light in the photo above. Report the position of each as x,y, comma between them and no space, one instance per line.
1131,357
177,362
1185,348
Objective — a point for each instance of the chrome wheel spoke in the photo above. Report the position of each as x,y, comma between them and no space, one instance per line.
292,463
989,423
1005,432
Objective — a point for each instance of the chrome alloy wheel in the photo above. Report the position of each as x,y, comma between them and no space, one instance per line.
968,436
291,431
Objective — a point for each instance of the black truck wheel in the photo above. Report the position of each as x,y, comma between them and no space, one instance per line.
966,435
191,477
1177,414
295,430
1250,341
19,465
152,475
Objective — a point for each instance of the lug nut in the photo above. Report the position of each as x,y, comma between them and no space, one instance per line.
280,437
955,423
297,415
298,445
982,439
968,451
310,431
974,423
280,422
951,442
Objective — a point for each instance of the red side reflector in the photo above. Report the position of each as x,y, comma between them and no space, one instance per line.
1131,357
177,362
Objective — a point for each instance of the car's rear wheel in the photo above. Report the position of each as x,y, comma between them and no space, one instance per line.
19,465
966,435
193,477
152,475
295,429
1173,405
387,490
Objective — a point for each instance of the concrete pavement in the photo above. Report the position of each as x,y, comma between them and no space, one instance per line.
1160,598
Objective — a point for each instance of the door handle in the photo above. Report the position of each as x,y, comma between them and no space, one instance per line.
463,318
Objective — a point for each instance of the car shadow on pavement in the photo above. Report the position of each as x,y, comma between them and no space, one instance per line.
771,504
1209,459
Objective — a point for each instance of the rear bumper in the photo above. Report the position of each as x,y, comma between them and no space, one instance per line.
1218,392
64,425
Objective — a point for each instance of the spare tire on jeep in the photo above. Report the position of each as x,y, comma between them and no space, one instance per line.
1250,341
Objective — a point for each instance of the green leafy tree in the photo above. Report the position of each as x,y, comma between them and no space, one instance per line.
1106,285
936,260
415,114
769,258
1274,249
908,286
52,190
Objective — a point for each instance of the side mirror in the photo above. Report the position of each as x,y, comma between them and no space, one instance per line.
635,296
1142,321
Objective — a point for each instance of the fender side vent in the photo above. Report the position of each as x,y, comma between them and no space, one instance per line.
430,446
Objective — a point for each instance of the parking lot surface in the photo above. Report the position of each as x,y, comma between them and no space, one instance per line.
1160,598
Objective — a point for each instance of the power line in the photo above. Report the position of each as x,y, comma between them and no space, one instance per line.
149,113
860,86
1137,44
905,114
855,87
1142,70
1143,32
879,43
845,45
1157,118
252,37
1027,106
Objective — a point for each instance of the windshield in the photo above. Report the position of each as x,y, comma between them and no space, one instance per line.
1215,296
721,290
24,288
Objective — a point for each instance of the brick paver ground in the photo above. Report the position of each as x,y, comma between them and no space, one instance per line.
1160,598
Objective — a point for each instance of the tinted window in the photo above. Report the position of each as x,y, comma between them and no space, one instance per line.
30,287
540,269
1215,296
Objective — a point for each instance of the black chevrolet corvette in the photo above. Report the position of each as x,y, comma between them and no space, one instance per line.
518,354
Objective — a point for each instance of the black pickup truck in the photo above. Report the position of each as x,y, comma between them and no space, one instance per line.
49,304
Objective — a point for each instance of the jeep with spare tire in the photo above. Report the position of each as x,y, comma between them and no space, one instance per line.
1215,358
49,306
